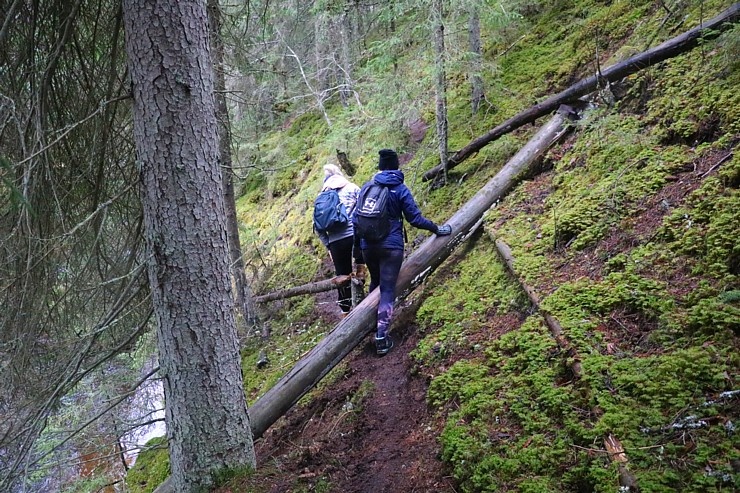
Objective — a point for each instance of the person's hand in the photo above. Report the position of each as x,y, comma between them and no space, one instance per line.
444,230
360,272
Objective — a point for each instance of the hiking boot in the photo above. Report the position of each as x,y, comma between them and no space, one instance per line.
383,345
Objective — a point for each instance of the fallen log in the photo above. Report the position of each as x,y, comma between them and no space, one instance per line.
352,329
615,452
669,49
310,288
555,328
614,449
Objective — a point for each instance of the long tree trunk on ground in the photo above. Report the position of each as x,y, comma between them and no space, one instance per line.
673,47
355,327
208,429
243,294
310,288
614,448
477,93
440,81
556,330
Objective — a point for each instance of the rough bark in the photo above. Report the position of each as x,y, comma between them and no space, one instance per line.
208,428
242,292
440,82
310,288
477,93
671,48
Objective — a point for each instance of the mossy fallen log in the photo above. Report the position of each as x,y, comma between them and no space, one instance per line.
669,49
556,330
614,449
310,288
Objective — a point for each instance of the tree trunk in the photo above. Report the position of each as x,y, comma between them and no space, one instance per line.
347,40
321,51
477,94
310,288
440,82
242,292
613,446
182,196
345,163
680,44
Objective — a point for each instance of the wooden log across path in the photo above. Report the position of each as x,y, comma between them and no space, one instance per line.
355,327
310,288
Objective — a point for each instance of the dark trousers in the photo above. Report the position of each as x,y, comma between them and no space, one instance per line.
341,255
384,265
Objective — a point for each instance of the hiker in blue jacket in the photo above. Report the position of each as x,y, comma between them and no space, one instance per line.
341,243
384,257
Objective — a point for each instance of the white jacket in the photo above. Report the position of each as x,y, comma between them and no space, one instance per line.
348,193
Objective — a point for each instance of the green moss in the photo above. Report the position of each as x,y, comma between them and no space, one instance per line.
225,475
462,381
654,392
505,429
712,316
152,467
693,105
478,287
291,337
706,227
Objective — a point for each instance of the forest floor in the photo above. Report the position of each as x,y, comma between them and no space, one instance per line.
371,431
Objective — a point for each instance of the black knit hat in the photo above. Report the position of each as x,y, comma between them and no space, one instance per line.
388,159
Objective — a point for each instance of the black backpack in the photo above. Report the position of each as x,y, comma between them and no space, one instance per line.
329,214
371,212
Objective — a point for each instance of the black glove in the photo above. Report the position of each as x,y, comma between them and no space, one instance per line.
444,230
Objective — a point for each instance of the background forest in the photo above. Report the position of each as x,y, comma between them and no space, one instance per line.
627,230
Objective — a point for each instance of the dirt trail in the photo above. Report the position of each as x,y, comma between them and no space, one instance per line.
368,432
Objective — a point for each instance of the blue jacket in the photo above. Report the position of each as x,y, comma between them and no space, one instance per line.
401,201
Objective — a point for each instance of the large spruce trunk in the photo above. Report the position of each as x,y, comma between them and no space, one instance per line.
182,197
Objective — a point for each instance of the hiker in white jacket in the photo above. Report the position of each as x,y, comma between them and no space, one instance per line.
341,243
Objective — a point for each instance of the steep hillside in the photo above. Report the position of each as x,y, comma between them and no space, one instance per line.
629,235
